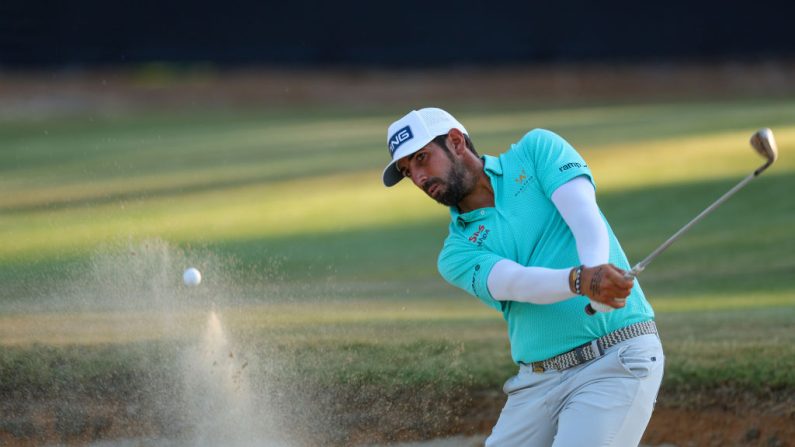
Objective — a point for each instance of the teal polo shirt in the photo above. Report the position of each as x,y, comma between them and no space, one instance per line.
525,227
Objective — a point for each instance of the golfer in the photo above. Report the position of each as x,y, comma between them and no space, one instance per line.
527,238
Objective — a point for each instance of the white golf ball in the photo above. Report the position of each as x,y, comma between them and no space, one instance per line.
192,277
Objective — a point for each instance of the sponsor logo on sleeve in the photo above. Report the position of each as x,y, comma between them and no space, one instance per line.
474,284
568,166
398,138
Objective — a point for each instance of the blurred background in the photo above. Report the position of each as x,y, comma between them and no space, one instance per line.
90,33
247,139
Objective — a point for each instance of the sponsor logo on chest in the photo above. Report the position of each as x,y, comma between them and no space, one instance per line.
522,180
479,236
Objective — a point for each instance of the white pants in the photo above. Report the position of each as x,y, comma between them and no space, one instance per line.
605,402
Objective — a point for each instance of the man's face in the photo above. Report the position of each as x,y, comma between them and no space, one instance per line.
438,172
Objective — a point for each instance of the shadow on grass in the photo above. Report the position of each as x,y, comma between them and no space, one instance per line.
744,246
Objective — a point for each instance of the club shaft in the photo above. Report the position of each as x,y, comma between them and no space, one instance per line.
763,142
642,264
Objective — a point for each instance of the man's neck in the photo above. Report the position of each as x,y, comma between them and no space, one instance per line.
482,196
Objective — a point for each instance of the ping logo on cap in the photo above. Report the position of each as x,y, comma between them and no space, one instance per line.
398,138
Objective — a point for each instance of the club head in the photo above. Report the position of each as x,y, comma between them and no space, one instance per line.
763,142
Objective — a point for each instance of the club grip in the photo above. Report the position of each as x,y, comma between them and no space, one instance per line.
589,310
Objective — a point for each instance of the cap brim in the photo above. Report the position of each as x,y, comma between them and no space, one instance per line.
391,174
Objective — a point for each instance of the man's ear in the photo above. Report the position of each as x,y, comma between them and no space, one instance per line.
458,143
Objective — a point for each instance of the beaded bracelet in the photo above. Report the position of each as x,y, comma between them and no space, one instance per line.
577,281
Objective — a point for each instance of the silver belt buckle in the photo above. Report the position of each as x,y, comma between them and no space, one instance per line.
596,349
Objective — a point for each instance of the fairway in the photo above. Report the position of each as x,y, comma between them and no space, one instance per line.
327,277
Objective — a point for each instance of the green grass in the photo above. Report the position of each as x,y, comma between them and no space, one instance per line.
330,266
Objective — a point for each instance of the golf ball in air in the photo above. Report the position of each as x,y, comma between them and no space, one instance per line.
192,277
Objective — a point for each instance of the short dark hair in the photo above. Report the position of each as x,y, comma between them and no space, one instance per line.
441,140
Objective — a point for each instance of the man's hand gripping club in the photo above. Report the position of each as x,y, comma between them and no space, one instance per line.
604,284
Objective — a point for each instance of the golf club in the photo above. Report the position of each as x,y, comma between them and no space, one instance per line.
763,143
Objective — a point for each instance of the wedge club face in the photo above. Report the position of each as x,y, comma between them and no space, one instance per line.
765,145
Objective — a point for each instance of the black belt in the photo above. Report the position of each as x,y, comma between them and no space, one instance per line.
595,348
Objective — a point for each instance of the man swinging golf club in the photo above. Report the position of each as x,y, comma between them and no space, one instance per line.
527,238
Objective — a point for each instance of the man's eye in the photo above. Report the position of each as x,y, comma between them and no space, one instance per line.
421,156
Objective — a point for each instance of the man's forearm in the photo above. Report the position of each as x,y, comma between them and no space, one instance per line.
509,281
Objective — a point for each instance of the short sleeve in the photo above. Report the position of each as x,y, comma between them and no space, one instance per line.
466,266
553,159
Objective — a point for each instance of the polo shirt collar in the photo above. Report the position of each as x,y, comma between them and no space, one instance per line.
492,165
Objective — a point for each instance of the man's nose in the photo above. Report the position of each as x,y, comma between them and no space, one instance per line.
419,178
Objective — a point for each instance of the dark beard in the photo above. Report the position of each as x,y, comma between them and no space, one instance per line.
458,185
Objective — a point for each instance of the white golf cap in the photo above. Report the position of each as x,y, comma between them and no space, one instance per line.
412,132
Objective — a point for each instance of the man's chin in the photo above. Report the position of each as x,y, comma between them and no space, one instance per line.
440,200
445,200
